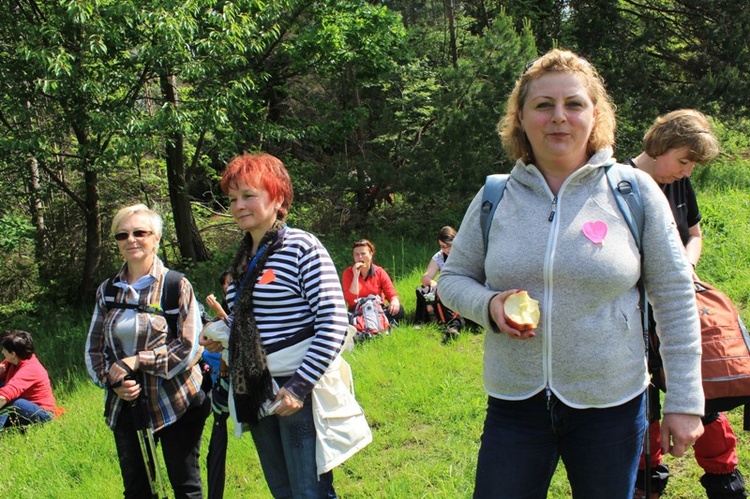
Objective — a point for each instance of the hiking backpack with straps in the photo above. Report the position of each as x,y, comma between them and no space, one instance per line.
169,303
621,179
725,363
369,318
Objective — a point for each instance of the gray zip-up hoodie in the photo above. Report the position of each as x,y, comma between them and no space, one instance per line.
589,347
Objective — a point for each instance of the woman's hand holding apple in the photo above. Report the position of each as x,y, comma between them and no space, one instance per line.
497,312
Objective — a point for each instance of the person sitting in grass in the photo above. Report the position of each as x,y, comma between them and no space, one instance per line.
364,278
25,389
429,306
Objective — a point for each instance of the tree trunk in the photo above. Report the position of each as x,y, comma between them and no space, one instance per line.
363,179
93,238
449,15
189,239
36,208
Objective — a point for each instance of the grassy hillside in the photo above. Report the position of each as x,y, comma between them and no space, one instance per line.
423,400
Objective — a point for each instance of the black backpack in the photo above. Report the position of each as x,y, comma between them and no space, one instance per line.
169,303
170,310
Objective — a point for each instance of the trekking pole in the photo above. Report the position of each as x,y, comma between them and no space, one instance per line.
647,446
646,325
145,431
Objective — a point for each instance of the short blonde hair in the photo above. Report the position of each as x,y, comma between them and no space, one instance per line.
153,218
564,61
682,128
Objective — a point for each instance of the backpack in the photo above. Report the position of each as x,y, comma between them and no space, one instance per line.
425,307
444,315
430,308
169,303
621,179
369,318
725,364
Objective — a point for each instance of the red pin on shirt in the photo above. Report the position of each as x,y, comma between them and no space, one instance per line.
268,276
595,231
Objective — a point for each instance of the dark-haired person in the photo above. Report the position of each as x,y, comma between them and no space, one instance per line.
220,308
427,292
25,390
364,278
133,351
672,147
288,324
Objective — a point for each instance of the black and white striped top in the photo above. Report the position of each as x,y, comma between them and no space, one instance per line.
298,288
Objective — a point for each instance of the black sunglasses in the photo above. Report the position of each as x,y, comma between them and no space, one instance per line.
138,234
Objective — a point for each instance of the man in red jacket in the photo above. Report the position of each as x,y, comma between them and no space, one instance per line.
25,390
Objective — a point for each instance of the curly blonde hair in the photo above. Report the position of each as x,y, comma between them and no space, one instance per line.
564,61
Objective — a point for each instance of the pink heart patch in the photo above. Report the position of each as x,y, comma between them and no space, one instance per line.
595,231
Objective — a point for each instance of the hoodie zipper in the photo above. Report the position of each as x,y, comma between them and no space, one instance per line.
552,213
547,333
548,286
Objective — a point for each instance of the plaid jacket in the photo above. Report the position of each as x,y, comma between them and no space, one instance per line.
168,373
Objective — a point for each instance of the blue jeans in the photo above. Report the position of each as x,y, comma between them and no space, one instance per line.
21,412
286,448
523,441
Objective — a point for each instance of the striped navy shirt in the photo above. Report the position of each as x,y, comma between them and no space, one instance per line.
299,287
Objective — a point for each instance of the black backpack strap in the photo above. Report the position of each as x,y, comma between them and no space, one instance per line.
110,298
110,295
170,298
170,292
297,337
624,186
169,303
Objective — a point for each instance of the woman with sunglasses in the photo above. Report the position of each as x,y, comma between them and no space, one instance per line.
364,278
132,352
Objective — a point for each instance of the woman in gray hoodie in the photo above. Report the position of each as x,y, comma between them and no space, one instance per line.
573,387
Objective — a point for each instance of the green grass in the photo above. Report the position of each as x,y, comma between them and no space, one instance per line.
423,400
726,244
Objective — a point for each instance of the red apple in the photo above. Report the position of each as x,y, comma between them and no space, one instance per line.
521,311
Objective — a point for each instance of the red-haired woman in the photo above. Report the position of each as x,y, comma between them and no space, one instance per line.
288,324
364,278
